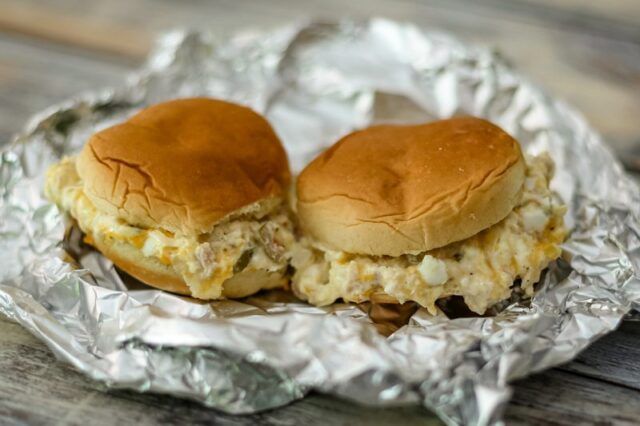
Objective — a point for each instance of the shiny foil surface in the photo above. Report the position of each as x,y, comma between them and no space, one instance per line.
315,82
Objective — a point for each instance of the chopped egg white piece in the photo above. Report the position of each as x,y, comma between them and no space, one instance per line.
482,269
433,271
534,218
204,261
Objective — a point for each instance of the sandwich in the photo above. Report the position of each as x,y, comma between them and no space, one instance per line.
424,213
186,196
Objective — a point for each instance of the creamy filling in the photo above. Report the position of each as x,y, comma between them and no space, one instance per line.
204,261
482,269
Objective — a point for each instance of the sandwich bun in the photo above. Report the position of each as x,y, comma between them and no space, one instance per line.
394,190
185,165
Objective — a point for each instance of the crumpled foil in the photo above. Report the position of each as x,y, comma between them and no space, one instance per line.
315,82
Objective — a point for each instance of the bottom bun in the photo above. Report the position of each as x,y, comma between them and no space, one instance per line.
156,274
382,297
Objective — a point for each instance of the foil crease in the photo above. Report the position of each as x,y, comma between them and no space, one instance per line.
315,82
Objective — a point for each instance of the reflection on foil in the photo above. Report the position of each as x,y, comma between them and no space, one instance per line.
315,82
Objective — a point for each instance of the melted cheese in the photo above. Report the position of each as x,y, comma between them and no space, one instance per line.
481,269
204,261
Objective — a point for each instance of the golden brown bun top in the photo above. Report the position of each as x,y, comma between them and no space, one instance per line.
393,190
184,165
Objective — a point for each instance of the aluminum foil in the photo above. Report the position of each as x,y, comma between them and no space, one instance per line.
315,82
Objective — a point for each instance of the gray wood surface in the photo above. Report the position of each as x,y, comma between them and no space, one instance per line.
586,52
35,388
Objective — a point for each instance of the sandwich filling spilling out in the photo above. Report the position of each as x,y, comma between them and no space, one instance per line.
482,269
204,261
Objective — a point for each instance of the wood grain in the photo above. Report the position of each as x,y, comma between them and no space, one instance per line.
587,55
35,388
561,398
55,25
615,359
35,75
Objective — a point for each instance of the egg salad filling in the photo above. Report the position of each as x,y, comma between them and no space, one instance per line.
204,261
482,269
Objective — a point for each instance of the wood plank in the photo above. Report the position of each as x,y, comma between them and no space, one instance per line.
613,9
35,388
55,25
585,63
614,358
66,19
617,19
37,74
562,398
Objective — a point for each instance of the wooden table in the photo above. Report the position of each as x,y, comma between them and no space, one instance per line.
588,54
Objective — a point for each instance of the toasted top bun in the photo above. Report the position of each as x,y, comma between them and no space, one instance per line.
184,165
394,190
